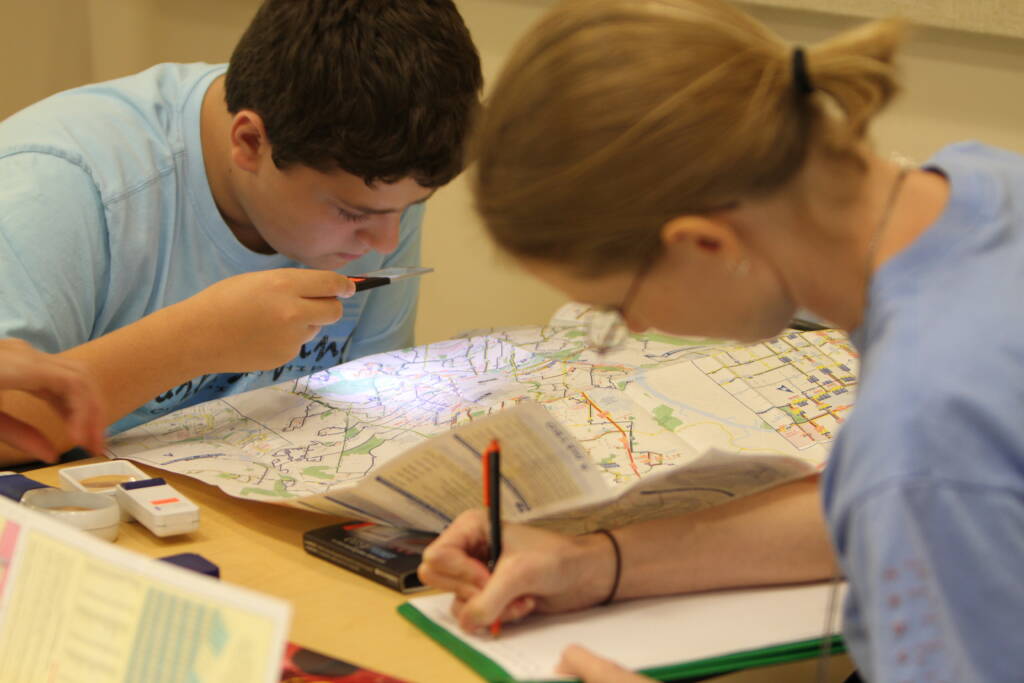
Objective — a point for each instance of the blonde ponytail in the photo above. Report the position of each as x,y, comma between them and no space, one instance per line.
614,116
855,69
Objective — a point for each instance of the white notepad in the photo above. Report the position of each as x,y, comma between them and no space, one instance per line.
666,637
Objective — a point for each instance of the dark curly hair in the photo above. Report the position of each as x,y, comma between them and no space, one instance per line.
382,89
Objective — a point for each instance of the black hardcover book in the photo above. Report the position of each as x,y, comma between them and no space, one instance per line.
385,554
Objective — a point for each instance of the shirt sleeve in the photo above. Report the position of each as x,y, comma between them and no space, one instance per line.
388,321
53,251
934,569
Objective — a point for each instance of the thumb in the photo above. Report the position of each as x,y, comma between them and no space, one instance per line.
581,662
313,284
24,437
494,599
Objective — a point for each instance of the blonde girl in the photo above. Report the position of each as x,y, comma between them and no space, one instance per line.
678,165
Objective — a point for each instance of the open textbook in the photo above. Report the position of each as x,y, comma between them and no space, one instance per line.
659,426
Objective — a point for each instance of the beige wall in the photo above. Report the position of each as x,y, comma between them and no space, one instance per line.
959,85
50,45
43,49
1000,17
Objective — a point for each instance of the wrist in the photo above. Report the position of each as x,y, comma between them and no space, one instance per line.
191,354
600,567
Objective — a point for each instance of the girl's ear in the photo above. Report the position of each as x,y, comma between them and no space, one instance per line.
691,237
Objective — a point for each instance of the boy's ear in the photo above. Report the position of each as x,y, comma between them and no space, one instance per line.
249,143
700,235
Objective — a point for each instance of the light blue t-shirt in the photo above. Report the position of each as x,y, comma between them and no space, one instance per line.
924,490
106,216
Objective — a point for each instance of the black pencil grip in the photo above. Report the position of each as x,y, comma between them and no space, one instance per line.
494,510
369,282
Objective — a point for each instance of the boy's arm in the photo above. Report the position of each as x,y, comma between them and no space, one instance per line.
54,248
253,321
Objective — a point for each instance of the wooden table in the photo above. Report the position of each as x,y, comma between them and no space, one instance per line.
336,612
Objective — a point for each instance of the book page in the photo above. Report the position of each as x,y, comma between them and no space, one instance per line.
541,465
649,633
714,478
75,608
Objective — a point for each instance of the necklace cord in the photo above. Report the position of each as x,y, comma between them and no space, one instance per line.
883,222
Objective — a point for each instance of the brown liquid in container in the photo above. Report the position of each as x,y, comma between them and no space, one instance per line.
105,481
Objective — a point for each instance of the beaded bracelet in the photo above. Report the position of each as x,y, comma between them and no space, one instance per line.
618,566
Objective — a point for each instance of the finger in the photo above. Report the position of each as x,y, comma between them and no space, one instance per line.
320,311
87,419
450,568
64,384
465,591
466,588
518,609
581,662
26,439
314,283
83,417
454,561
457,607
512,580
462,588
85,414
468,533
79,402
439,580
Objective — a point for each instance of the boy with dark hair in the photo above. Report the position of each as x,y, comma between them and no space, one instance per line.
184,232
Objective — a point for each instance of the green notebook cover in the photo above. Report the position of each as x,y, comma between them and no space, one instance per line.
491,671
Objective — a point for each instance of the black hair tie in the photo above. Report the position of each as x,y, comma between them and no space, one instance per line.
801,80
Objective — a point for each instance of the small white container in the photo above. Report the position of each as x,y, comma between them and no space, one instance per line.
92,512
102,478
156,505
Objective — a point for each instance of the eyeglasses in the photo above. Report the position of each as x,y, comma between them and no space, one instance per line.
606,327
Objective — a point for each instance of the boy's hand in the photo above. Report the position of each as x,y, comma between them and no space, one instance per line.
63,383
258,321
538,571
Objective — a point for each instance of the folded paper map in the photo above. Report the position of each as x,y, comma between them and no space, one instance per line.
610,436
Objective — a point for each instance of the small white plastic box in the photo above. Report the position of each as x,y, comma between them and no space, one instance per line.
158,507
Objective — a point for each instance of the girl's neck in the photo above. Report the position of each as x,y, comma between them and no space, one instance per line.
831,229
